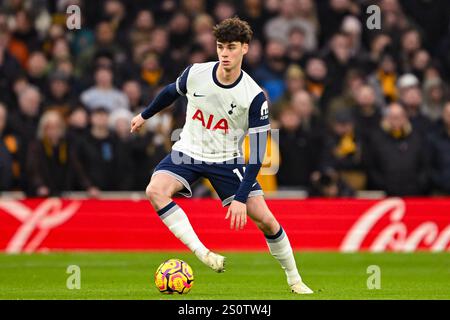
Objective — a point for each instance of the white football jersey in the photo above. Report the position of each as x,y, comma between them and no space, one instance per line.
219,116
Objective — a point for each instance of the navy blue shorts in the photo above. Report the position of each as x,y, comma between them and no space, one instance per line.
225,177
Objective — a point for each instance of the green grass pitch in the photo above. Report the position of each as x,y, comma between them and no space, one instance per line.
248,276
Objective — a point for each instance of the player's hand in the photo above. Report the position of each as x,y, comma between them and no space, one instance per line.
238,213
136,123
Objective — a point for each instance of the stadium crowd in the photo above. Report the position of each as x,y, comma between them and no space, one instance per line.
356,108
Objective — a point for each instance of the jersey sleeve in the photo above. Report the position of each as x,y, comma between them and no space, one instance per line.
181,82
258,115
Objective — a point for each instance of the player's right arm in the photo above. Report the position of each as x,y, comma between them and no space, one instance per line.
164,99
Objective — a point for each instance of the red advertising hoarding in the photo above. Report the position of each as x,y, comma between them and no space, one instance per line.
345,225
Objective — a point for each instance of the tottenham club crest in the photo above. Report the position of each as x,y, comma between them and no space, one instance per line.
230,112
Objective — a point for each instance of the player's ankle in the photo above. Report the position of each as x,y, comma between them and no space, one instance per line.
201,252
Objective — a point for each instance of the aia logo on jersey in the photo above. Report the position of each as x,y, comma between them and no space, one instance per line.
222,124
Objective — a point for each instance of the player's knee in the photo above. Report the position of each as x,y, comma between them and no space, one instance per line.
156,193
269,225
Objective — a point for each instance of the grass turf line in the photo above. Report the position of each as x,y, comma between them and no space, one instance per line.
249,275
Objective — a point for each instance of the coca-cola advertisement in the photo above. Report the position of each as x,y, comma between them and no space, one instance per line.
392,224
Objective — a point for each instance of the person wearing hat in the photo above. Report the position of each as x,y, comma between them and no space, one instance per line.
411,98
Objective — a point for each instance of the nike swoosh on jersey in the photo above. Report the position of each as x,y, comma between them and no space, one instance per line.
198,95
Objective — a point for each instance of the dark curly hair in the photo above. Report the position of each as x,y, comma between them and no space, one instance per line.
233,29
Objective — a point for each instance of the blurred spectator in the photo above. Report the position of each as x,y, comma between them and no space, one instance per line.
24,121
351,26
338,62
433,20
302,103
410,43
367,114
299,151
296,49
24,30
6,161
119,123
353,82
384,80
180,34
412,100
77,124
152,73
332,13
224,9
270,74
255,13
147,150
278,28
9,67
103,93
419,62
294,82
104,158
60,96
53,165
394,20
115,12
142,28
37,69
434,94
328,184
343,150
105,40
316,81
440,153
133,91
253,58
193,7
397,161
361,103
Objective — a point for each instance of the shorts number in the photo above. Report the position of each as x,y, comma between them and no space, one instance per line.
236,171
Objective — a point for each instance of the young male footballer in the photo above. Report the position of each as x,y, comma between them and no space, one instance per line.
224,103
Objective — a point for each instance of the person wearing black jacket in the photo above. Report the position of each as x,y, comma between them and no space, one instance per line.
300,147
52,163
439,143
103,157
397,160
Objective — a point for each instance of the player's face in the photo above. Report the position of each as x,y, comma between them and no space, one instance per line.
230,53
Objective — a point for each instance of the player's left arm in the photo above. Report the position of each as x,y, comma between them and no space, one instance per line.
259,126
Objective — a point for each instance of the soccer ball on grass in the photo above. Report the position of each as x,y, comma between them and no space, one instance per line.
174,276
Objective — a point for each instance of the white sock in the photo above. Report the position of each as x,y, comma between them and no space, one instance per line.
281,249
177,222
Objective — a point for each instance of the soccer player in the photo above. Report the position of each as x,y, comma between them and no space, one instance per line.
224,103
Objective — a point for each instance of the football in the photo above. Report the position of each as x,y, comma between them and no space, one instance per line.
174,276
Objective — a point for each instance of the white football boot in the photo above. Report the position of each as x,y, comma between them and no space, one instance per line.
301,288
214,261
